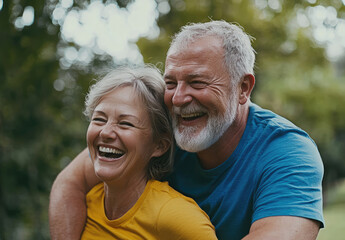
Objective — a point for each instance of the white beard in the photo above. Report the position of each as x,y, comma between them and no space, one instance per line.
188,139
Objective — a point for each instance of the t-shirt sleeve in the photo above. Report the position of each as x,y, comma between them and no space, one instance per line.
289,183
183,219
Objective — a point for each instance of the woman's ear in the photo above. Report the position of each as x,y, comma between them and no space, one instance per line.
161,147
246,86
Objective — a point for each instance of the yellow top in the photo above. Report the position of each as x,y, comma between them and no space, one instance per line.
160,213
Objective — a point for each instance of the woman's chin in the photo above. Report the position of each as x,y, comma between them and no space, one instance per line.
105,174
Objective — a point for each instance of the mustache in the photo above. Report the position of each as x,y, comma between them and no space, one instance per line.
188,109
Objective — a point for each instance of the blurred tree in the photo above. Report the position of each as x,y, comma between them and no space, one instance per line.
41,125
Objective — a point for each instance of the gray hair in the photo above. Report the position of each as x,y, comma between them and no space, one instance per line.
239,54
148,83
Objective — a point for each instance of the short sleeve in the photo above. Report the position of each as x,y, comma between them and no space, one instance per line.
290,180
183,219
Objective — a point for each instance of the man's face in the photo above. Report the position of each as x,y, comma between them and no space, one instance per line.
199,94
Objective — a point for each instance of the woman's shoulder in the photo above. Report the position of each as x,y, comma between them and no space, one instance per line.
164,188
171,199
180,216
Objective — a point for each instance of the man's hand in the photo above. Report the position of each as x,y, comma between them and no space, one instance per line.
67,207
284,228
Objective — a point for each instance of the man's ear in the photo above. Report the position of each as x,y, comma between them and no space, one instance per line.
161,147
246,86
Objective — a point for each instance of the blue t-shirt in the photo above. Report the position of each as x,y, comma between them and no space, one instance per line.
276,170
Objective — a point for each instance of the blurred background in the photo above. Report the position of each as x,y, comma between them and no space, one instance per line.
50,52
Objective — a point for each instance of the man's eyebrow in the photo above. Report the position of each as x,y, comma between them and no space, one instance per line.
194,75
167,76
188,76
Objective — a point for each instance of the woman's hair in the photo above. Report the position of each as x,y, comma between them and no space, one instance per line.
148,83
239,54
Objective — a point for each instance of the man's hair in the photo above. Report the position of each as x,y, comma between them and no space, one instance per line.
239,54
148,83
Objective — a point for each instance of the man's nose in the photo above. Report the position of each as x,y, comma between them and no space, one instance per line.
181,95
108,131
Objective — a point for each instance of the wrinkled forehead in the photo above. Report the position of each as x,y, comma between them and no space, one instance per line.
203,51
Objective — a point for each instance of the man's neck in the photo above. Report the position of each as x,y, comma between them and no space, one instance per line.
221,150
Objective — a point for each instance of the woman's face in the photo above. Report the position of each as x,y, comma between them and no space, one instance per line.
119,137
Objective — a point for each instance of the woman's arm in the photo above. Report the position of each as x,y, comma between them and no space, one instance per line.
67,207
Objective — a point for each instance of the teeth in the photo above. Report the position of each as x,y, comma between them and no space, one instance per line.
191,115
110,150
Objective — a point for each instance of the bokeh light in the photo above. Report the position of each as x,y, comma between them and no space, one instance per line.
107,29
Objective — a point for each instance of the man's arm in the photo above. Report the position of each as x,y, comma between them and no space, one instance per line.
284,228
67,207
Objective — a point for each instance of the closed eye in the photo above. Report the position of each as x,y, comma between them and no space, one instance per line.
98,119
170,84
198,84
128,124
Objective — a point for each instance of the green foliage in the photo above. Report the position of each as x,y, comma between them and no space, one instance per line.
334,214
42,128
334,223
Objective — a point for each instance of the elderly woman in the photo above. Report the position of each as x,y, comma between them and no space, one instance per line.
130,144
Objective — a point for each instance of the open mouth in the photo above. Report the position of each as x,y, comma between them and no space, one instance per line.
192,116
110,152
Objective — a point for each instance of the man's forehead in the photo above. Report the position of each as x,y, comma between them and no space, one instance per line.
185,72
186,43
203,49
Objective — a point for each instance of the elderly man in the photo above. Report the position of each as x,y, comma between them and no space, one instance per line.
255,174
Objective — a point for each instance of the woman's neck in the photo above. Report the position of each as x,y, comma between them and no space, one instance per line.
121,197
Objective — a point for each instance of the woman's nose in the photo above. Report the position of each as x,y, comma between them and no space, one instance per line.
108,131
